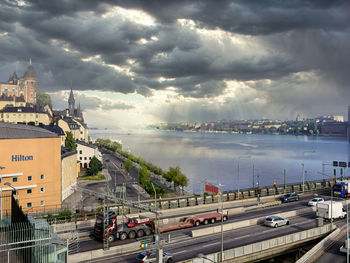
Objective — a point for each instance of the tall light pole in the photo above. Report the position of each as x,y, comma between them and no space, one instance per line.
331,199
222,224
347,233
240,157
302,165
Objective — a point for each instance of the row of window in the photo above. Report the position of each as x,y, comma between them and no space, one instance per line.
30,178
85,158
20,115
30,205
42,190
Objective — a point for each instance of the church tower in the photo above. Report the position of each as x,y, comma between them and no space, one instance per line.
71,103
29,77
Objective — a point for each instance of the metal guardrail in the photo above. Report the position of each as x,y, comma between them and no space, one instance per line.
194,200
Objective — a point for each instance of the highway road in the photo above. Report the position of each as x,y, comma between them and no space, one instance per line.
184,233
186,247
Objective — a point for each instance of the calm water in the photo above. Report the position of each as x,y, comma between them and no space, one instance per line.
215,157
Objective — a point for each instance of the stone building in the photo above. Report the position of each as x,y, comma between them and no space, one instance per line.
24,86
72,120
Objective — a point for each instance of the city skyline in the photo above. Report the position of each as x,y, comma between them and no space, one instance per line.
136,63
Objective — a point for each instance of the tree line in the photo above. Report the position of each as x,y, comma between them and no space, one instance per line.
174,174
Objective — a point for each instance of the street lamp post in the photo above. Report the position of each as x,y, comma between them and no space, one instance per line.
302,165
347,233
222,225
240,157
331,199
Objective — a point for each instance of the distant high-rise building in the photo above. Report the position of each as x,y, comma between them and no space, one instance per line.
299,118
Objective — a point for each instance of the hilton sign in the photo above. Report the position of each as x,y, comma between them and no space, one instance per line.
21,158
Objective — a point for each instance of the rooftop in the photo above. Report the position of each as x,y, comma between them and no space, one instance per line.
20,131
87,144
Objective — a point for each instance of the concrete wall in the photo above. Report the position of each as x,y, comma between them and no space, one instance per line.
257,250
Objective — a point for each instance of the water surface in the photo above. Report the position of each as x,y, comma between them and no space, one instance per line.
215,157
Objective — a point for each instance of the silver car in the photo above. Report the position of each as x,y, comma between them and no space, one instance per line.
315,201
275,221
151,256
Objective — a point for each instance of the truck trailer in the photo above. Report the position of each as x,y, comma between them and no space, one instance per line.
136,227
329,209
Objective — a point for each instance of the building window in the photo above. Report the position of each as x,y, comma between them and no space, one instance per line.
14,180
29,191
42,177
29,205
42,190
80,151
81,158
42,202
29,178
89,158
85,158
0,180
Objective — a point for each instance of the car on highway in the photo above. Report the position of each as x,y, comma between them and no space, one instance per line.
315,201
276,221
289,198
151,256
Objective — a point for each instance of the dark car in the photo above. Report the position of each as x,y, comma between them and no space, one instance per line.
289,198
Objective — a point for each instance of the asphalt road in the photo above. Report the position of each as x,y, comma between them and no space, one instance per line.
184,233
187,247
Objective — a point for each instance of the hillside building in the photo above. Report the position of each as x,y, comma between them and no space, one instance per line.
35,165
85,153
21,87
72,120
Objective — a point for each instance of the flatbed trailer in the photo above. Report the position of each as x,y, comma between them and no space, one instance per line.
195,220
137,227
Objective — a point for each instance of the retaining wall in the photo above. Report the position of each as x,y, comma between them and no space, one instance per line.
255,251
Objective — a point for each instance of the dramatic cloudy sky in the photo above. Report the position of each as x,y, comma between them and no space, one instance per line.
135,62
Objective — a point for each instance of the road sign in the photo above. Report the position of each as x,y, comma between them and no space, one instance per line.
342,164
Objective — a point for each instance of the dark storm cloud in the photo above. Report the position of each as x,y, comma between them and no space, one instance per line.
289,37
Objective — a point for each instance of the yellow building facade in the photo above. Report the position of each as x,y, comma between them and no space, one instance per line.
21,115
30,158
69,173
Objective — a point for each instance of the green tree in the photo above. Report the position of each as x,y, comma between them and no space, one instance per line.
128,165
43,99
181,180
175,175
143,176
95,166
70,142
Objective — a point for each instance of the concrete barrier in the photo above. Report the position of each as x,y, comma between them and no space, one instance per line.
314,253
98,253
255,251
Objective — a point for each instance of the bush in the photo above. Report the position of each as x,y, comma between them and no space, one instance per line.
65,213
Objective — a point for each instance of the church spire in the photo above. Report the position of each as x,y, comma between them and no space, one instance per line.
71,102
